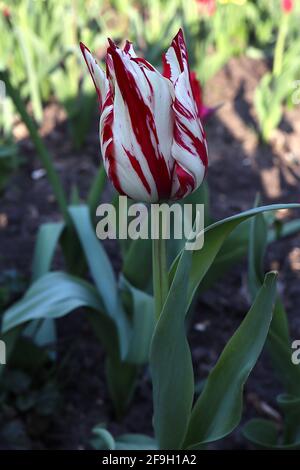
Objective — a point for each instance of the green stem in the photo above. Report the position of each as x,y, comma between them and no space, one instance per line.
39,145
280,46
160,272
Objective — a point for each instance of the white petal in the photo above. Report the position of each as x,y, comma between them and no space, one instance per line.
100,81
149,89
128,49
172,60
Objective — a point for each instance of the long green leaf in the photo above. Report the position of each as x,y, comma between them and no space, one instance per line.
51,296
233,250
290,405
215,235
102,272
173,391
218,409
141,307
279,338
96,190
236,246
135,442
56,294
46,244
264,435
171,365
104,440
137,265
121,378
43,332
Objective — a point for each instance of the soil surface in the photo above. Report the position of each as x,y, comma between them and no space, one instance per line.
239,167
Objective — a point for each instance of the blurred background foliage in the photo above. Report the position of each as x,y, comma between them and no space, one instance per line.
39,45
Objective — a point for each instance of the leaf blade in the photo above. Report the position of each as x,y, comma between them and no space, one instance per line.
218,409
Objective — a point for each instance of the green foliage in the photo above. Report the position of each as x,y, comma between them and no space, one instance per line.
114,306
262,433
41,61
11,285
10,160
275,87
103,440
173,385
218,410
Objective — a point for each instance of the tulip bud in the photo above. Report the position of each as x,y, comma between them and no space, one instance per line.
151,137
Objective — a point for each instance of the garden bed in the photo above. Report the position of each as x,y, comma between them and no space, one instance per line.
239,167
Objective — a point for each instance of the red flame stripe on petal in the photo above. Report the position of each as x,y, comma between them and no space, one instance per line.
137,168
143,124
106,139
186,182
85,49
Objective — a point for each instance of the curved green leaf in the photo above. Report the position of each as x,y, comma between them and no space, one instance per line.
121,378
290,405
264,435
171,365
102,273
137,263
51,296
236,246
43,332
46,243
56,294
233,250
215,235
135,442
140,305
96,190
219,407
104,440
278,338
98,261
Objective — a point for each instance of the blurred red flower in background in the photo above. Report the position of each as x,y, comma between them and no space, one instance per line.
208,5
287,5
6,11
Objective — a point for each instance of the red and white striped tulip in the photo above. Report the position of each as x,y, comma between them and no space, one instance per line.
152,140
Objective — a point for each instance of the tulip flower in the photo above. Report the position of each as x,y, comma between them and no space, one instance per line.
151,136
287,5
208,5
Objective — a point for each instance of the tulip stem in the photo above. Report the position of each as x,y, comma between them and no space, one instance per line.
160,272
